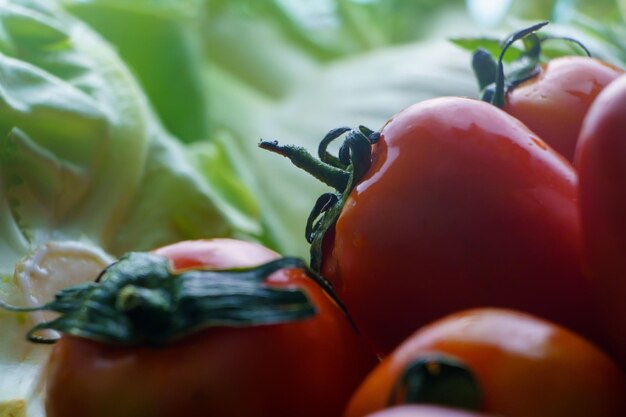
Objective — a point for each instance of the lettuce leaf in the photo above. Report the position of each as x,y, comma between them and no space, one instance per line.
161,43
83,154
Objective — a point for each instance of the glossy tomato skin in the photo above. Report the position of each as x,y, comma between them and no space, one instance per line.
304,368
601,161
525,366
554,103
423,411
463,207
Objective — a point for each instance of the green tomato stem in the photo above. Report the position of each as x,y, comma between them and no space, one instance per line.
139,300
330,175
437,379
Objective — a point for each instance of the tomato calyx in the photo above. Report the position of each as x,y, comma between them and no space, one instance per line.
490,75
437,379
139,300
341,172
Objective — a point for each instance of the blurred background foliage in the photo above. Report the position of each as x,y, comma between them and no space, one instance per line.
229,72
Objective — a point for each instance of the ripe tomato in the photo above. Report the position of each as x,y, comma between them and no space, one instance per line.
524,366
423,411
554,102
462,207
300,368
601,161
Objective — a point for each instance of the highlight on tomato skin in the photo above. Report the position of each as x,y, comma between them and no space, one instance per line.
601,163
554,103
306,367
524,365
460,208
424,411
219,253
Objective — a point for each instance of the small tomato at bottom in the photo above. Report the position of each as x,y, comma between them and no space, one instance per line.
305,367
424,411
524,366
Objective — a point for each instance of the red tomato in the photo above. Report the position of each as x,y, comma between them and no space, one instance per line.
601,161
462,207
524,366
300,368
423,411
554,103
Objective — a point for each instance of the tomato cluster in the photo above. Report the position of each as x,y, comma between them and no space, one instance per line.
461,246
463,205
